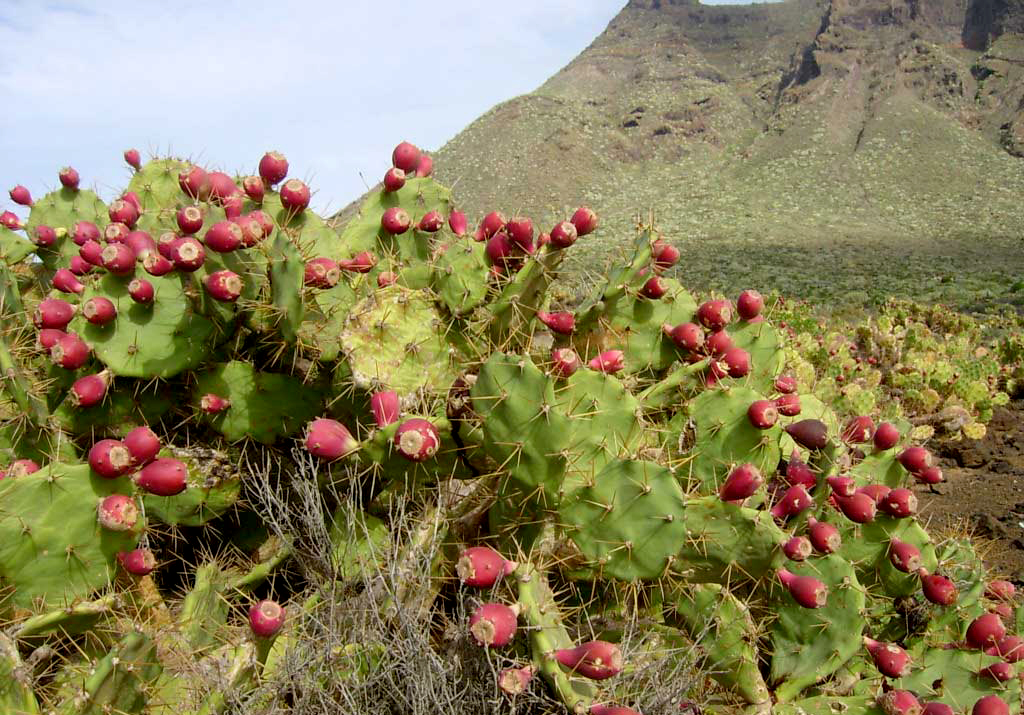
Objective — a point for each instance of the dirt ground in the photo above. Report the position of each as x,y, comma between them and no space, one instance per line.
984,492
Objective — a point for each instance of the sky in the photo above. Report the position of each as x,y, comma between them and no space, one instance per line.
332,85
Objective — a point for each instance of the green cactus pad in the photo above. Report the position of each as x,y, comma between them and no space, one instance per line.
16,696
251,267
156,185
952,677
120,681
325,318
213,487
827,704
52,549
459,276
119,412
287,270
359,546
13,248
603,420
866,546
418,197
880,468
63,209
762,341
204,611
726,543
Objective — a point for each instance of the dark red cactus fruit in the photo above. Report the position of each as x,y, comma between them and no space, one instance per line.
797,548
133,158
492,223
520,232
417,439
10,221
432,222
891,660
386,407
608,362
717,343
273,168
741,483
798,472
597,660
905,557
811,434
69,178
195,182
500,250
99,310
89,390
750,304
254,229
123,211
294,196
1011,648
425,166
141,243
494,624
165,244
163,477
715,314
762,414
222,186
564,362
859,508
321,272
20,195
515,681
585,220
225,286
990,705
138,562
899,702
43,236
664,254
406,157
110,458
53,313
116,232
794,500
329,439
886,436
915,459
843,486
233,205
70,352
937,589
66,282
141,290
985,631
92,253
394,179
899,503
686,336
616,710
824,537
254,189
213,404
999,590
457,223
133,198
223,237
266,618
118,258
563,235
142,444
21,468
858,430
48,337
931,475
936,708
187,254
386,278
362,262
737,361
85,231
395,221
156,265
1000,672
562,323
117,512
482,566
1002,610
807,591
79,266
190,219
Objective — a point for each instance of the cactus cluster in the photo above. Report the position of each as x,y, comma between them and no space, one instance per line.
639,441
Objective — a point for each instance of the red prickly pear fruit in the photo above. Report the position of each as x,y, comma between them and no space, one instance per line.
253,229
223,236
585,220
187,254
156,265
937,589
492,223
142,444
273,168
417,439
715,314
500,249
1011,648
48,337
899,503
394,179
99,310
762,414
92,253
717,343
797,472
123,211
294,196
936,708
886,436
931,475
165,244
395,221
225,286
563,235
406,157
750,304
362,262
797,548
807,591
608,362
686,336
905,557
891,660
878,492
110,458
385,407
843,486
482,566
53,313
825,537
84,231
80,266
515,681
266,618
44,236
915,459
613,710
70,352
432,222
141,290
141,243
794,500
859,508
858,430
597,660
737,361
213,404
163,477
665,255
1000,672
22,468
741,483
222,186
138,562
520,232
118,258
1002,610
811,434
133,199
457,223
89,390
999,590
985,631
66,282
321,272
565,361
329,439
254,189
133,158
562,323
190,219
990,705
116,232
494,624
386,278
117,512
195,182
233,206
899,702
20,195
425,166
10,221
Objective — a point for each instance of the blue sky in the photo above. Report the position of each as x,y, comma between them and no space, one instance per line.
334,86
